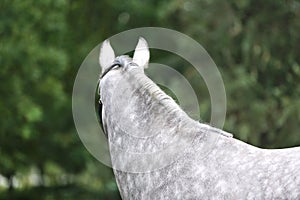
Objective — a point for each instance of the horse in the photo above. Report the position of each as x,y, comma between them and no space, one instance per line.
159,152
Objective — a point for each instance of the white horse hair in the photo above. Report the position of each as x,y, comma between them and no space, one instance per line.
141,122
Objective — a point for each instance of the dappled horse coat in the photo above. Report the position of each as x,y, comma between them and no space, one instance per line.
158,152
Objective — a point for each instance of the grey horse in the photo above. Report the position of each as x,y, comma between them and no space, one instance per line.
159,152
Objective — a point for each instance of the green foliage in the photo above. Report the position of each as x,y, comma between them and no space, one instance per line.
255,44
35,106
69,192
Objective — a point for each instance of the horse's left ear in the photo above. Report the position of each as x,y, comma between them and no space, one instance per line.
141,54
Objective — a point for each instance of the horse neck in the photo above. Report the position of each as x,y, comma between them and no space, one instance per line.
141,117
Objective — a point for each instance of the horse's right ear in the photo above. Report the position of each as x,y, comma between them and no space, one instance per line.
141,54
107,55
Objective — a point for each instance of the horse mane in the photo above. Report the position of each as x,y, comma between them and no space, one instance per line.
148,88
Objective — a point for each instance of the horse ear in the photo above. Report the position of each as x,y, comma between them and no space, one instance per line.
107,55
141,54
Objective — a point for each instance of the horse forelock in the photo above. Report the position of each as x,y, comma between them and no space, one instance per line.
123,60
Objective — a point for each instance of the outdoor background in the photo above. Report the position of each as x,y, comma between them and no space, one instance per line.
255,44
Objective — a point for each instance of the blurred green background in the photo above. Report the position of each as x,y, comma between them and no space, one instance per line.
255,44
